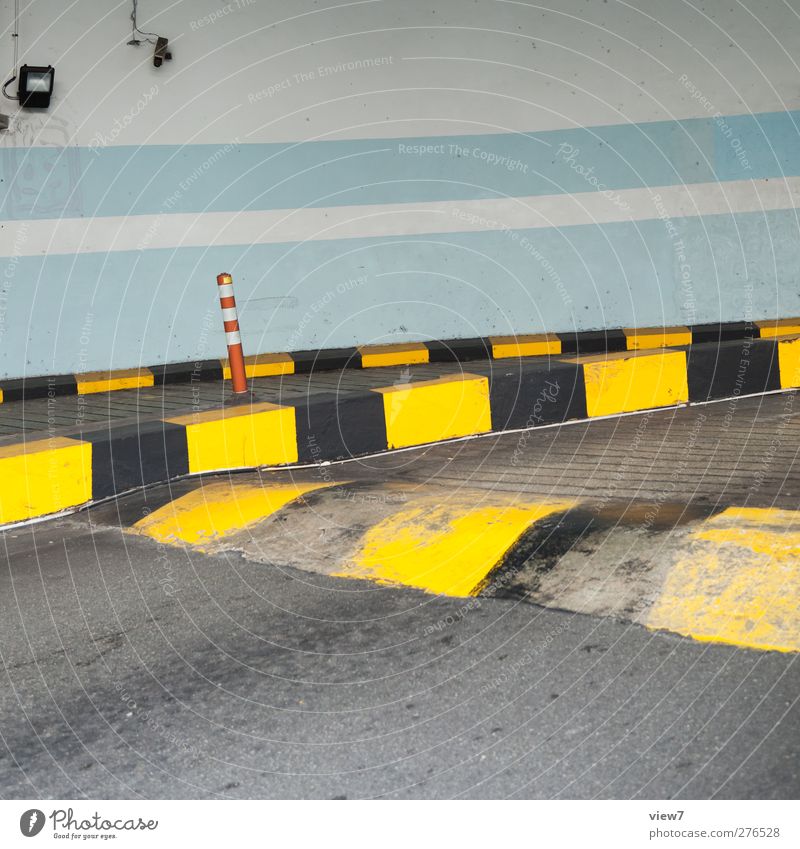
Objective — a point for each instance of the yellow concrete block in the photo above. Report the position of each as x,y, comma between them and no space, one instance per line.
240,437
536,345
626,382
44,476
641,338
262,365
218,509
446,548
789,363
779,327
740,584
377,356
431,410
110,381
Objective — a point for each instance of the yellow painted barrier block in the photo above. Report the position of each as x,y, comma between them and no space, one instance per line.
92,382
626,382
789,362
446,548
536,345
44,476
431,410
218,509
780,327
262,365
377,356
239,437
642,338
740,584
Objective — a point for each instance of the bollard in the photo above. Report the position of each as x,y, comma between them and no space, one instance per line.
234,340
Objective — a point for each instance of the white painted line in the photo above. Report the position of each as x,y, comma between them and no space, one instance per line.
141,232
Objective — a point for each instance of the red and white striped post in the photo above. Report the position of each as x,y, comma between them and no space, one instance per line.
234,340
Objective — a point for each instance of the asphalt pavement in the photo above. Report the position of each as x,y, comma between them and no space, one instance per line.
133,669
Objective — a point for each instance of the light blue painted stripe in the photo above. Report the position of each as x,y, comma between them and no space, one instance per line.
119,310
770,142
77,182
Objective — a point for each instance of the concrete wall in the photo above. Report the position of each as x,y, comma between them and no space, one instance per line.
392,171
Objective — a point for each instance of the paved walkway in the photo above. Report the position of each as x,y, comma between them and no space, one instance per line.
68,412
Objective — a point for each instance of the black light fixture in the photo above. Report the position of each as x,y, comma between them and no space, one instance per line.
35,86
34,82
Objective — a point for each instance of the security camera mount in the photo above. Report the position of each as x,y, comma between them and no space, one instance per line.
161,53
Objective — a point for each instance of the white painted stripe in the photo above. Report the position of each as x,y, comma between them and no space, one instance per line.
232,337
229,314
225,290
139,232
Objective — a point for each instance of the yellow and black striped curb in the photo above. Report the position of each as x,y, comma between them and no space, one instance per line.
725,573
49,475
411,353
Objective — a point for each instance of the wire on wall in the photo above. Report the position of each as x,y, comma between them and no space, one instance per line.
135,31
15,37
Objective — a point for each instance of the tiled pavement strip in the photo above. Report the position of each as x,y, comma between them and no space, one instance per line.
66,412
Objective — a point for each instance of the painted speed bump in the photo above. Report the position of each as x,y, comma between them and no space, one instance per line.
446,548
739,583
726,576
216,510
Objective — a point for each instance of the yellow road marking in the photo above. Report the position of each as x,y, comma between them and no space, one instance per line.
109,381
782,327
634,380
262,365
376,356
44,476
639,338
740,584
789,362
216,510
240,437
445,548
536,345
431,410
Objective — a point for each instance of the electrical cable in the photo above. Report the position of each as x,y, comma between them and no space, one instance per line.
135,42
15,36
